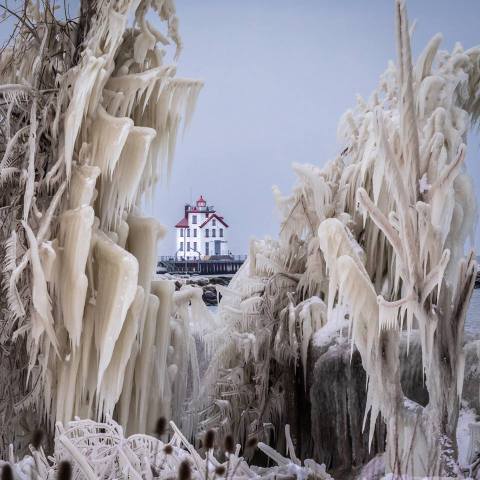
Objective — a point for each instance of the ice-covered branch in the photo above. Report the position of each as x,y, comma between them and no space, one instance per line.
383,224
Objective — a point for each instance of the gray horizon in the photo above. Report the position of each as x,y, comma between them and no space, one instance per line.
278,76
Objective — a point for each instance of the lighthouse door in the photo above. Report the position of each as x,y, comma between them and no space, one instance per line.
217,247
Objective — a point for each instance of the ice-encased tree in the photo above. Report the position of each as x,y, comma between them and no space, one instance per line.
381,230
420,207
90,110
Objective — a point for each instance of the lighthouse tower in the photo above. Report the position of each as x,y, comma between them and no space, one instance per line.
201,233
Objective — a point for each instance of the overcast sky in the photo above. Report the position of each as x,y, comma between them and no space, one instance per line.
278,75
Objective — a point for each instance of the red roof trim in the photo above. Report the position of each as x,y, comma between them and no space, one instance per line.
220,219
183,223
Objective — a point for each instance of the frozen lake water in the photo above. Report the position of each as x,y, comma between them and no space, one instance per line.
472,323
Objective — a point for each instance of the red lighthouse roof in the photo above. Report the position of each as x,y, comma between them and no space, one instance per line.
183,223
201,202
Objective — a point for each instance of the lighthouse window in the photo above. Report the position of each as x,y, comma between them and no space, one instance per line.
188,232
214,222
207,232
188,246
181,232
194,219
213,232
194,246
221,232
194,232
181,246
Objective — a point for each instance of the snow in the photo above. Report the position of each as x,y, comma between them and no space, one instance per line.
336,324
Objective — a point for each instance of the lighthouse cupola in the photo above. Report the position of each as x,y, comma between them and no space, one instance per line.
201,203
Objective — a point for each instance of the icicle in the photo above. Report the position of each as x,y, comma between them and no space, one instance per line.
143,235
144,42
193,93
164,290
88,376
117,275
76,108
113,380
67,387
120,193
109,136
144,365
460,373
74,240
307,332
126,412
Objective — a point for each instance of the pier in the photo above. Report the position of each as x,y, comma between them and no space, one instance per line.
215,265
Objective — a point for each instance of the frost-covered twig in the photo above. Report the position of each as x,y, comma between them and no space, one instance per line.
99,450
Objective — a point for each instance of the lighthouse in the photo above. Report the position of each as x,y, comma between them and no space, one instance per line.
201,233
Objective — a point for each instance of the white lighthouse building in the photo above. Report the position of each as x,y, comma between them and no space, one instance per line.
201,233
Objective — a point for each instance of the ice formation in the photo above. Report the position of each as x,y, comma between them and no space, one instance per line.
90,117
144,457
375,239
379,231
